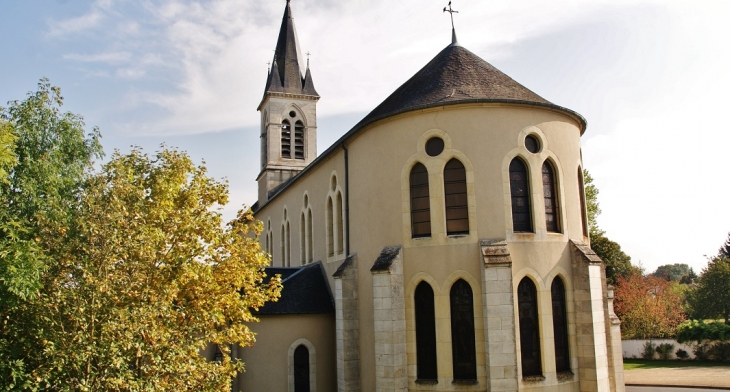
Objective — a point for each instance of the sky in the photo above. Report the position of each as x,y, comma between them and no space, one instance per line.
651,77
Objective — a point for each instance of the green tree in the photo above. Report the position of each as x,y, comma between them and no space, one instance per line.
725,248
675,272
45,156
711,297
592,206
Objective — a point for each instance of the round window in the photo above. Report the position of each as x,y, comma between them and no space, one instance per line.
292,114
434,146
532,144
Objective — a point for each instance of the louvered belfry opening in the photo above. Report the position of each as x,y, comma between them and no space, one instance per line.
420,202
520,191
560,326
463,338
298,140
549,189
457,210
285,139
529,328
301,369
425,333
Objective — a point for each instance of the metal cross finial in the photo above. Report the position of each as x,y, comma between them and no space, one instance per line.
451,12
268,66
308,59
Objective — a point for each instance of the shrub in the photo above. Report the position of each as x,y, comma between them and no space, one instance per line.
701,352
719,351
649,350
665,351
681,354
699,331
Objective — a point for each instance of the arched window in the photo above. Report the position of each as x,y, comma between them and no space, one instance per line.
340,225
303,239
457,211
560,326
310,258
330,228
288,245
298,140
285,139
463,342
520,191
283,245
529,328
582,194
301,369
264,139
420,202
425,333
550,192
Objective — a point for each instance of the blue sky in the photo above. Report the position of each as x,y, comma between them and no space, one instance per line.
651,77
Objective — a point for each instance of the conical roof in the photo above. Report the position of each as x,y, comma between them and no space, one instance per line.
456,75
288,63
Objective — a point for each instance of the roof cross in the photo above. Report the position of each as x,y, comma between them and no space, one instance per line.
308,59
451,12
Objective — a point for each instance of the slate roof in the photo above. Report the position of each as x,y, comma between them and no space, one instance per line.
455,75
286,74
305,291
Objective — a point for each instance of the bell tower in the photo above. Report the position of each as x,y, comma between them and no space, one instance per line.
288,113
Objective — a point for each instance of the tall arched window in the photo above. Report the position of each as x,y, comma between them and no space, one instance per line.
283,245
520,191
340,225
550,193
298,140
330,228
288,245
529,328
582,194
303,239
560,326
264,139
420,202
463,342
285,139
425,333
301,369
457,211
310,258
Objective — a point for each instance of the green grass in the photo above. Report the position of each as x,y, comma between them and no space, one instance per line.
632,364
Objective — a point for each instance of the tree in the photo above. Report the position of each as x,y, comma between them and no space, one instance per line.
711,297
649,307
592,207
725,248
147,277
675,272
44,158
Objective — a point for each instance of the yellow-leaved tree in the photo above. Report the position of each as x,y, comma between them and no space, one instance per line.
145,276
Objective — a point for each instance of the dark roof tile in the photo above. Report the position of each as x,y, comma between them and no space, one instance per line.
305,291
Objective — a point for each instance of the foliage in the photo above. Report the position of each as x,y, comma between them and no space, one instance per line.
675,272
725,248
649,350
664,351
681,354
592,207
618,263
649,307
44,158
711,298
699,331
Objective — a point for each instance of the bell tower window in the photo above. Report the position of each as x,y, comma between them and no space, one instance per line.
285,139
298,140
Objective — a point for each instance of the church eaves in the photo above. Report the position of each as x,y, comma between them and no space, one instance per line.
286,74
454,76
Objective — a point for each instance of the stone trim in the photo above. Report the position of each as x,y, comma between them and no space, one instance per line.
312,364
389,318
347,326
499,316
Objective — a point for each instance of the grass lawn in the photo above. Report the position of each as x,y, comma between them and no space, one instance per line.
631,364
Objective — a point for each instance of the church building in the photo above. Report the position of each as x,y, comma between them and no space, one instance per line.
441,244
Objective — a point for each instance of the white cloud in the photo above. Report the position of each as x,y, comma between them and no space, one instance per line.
106,57
87,21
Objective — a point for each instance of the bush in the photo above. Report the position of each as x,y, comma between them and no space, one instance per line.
681,354
719,351
699,331
701,352
649,350
665,351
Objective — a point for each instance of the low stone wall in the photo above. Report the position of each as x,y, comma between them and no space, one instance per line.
633,348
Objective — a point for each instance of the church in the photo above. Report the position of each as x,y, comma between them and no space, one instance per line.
441,244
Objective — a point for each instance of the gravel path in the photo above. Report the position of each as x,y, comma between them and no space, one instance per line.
684,376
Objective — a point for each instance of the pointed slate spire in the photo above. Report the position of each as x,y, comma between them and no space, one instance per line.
288,54
273,85
308,88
